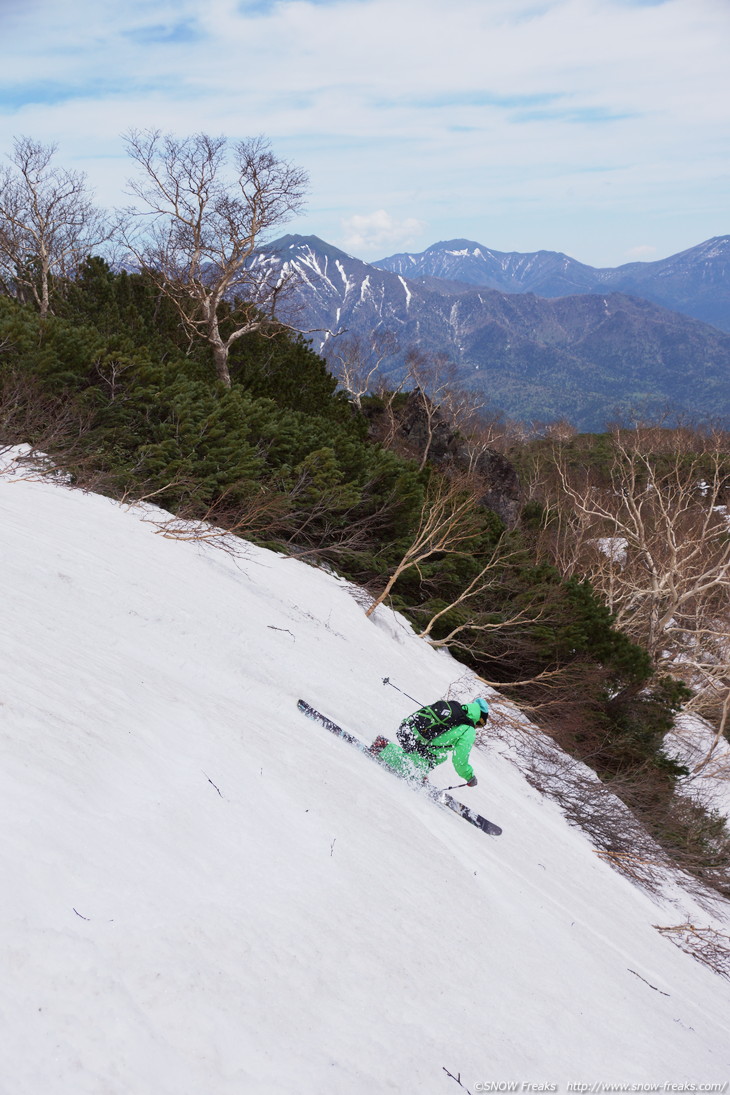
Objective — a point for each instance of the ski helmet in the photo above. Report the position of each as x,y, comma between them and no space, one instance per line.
483,705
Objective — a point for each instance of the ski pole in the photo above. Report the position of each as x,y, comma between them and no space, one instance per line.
387,680
453,788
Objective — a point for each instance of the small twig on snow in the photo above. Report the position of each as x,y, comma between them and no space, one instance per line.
647,982
457,1078
210,781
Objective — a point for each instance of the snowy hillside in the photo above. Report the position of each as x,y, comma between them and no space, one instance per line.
206,894
695,744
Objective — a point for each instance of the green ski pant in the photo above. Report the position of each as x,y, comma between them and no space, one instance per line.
408,765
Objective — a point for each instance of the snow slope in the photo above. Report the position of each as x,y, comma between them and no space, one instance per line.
206,894
695,744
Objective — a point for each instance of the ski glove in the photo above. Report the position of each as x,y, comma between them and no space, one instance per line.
472,782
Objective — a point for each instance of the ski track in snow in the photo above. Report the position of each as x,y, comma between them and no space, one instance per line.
207,894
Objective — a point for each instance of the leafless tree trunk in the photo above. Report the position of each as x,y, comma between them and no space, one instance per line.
209,207
48,224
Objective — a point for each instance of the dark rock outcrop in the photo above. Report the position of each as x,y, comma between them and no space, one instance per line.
423,427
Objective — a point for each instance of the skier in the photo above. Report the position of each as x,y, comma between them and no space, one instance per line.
429,734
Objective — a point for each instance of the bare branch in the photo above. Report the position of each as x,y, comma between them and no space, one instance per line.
448,525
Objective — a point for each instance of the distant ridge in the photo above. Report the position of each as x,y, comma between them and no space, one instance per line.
589,357
695,282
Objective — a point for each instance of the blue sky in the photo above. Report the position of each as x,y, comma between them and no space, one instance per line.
595,127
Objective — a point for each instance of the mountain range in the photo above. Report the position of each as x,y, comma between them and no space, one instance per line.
582,349
695,282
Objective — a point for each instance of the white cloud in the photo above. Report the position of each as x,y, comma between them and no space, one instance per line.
515,122
644,252
368,232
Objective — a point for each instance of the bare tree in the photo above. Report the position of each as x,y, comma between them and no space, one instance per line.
48,223
476,624
449,524
560,430
356,361
433,377
653,537
209,206
443,407
388,394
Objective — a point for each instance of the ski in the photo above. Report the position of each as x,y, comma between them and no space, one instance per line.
433,792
